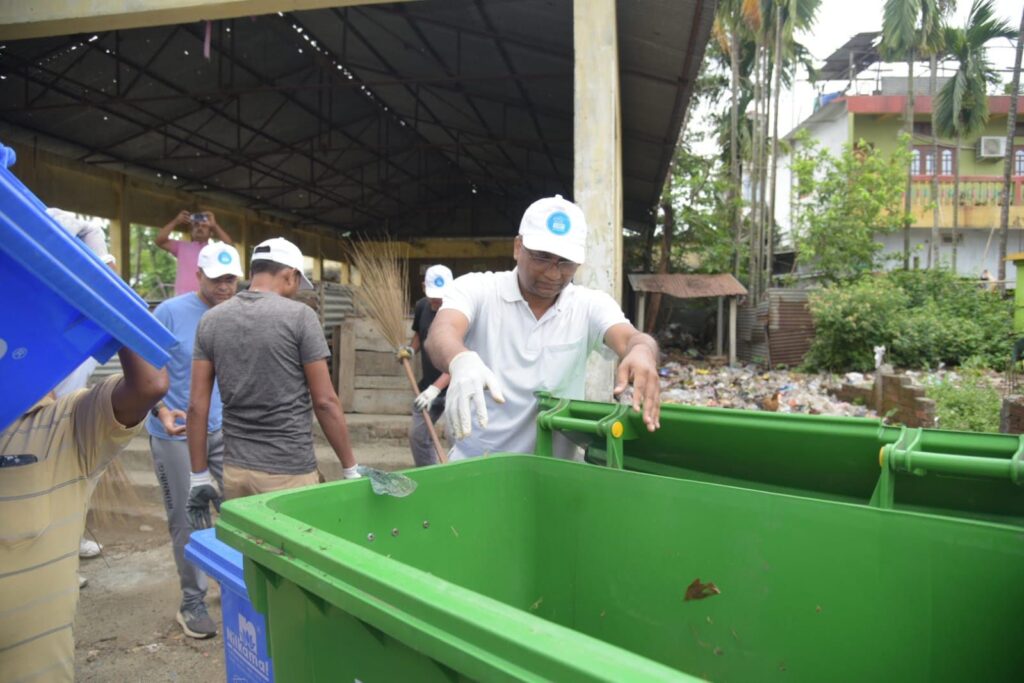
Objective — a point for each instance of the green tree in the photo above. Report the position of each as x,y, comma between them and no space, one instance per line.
1011,127
842,203
790,16
910,28
961,107
153,269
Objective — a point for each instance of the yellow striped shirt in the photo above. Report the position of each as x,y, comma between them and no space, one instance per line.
42,514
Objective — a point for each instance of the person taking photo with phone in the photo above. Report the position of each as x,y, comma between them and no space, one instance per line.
201,225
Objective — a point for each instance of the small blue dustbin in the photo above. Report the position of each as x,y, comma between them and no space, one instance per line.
61,304
245,631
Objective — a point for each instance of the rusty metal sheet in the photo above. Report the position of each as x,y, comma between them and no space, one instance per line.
687,285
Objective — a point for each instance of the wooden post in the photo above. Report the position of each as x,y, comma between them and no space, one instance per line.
720,327
641,310
732,331
597,160
345,359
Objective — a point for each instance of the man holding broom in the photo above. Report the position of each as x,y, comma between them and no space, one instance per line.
269,357
531,329
429,404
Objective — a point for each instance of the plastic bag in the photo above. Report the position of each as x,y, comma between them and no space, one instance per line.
388,483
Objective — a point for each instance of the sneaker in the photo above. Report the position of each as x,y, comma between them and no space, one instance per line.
196,623
87,548
82,581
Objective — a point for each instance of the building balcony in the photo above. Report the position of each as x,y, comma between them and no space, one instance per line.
980,201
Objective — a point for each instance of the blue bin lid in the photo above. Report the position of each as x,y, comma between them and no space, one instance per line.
220,561
65,268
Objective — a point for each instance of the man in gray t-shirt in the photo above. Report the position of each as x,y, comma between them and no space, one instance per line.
269,357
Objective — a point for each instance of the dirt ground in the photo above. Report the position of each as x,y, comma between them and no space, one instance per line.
125,628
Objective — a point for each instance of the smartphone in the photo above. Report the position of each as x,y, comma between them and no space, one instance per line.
199,217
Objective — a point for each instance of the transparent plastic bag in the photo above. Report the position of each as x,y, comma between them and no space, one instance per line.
388,483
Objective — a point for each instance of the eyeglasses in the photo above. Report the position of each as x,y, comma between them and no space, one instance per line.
545,261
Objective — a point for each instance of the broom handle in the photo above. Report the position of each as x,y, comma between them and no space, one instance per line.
442,457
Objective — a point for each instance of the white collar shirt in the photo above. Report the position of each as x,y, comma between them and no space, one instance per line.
527,354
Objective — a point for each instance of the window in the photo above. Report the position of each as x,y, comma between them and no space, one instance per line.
922,161
1018,162
923,128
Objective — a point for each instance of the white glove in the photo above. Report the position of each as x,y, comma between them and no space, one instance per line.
469,378
426,398
351,472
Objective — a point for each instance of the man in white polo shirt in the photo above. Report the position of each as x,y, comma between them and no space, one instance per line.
531,329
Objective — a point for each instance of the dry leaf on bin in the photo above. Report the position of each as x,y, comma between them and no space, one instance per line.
699,591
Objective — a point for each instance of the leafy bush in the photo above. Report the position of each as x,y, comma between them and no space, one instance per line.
970,405
922,318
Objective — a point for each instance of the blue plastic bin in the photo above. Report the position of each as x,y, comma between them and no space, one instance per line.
61,304
245,631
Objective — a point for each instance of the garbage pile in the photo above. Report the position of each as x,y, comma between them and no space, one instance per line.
751,388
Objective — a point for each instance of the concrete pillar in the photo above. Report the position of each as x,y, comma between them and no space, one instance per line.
597,159
318,259
244,243
121,233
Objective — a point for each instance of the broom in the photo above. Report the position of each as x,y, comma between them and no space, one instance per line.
384,296
114,496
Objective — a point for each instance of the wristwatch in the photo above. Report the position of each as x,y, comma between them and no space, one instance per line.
156,410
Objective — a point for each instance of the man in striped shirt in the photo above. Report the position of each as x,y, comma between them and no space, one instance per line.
49,460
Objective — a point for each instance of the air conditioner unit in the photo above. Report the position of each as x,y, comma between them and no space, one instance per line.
991,147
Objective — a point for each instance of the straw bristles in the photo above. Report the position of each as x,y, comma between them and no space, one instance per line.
115,496
384,293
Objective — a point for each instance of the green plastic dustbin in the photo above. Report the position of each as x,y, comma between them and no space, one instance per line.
529,568
854,460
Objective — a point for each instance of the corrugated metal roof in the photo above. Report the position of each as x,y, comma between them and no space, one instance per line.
686,285
419,119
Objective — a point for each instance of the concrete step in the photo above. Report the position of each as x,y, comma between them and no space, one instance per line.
381,437
146,505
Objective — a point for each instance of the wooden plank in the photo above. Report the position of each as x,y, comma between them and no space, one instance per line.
378,363
345,359
369,338
386,382
382,402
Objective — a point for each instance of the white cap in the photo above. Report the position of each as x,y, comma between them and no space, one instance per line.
218,259
557,226
280,250
436,281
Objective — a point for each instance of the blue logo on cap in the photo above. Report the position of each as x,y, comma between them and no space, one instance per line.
559,223
439,281
224,257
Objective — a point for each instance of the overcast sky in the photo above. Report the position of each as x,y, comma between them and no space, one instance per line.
838,20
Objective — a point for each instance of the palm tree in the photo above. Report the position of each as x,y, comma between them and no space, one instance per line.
1011,126
727,30
908,27
789,15
935,46
961,108
750,11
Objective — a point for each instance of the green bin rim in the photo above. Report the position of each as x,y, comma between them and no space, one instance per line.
394,598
